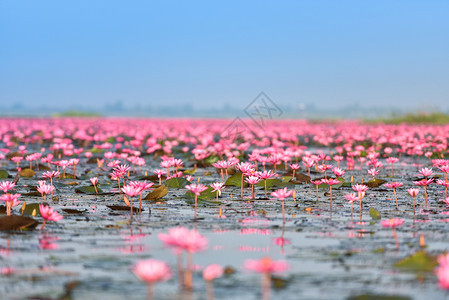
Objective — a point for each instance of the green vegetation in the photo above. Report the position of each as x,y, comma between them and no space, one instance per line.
414,118
77,113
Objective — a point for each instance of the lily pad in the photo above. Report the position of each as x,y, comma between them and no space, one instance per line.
274,183
418,262
88,189
302,177
190,171
236,180
71,211
124,208
27,173
176,183
31,209
17,223
373,183
3,174
157,193
374,214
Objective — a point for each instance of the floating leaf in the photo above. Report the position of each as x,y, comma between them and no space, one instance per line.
418,262
17,223
157,193
153,178
211,159
373,183
374,214
229,271
124,208
274,183
207,194
190,171
176,183
71,211
278,282
236,180
88,189
3,174
29,208
27,173
72,183
32,194
302,177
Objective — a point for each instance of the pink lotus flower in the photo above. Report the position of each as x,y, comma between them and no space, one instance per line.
265,265
394,186
48,214
442,271
94,181
317,183
152,271
175,237
11,201
281,194
252,180
392,161
5,186
424,183
373,172
338,172
212,272
360,188
197,189
413,193
392,222
181,239
45,189
130,190
351,198
265,175
426,172
444,183
217,187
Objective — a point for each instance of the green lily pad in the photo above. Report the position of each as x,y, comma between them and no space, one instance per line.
3,174
374,214
176,183
373,183
274,183
418,262
190,171
211,159
88,189
236,180
157,193
30,208
27,173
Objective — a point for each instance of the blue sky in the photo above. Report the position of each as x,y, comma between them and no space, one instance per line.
209,53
